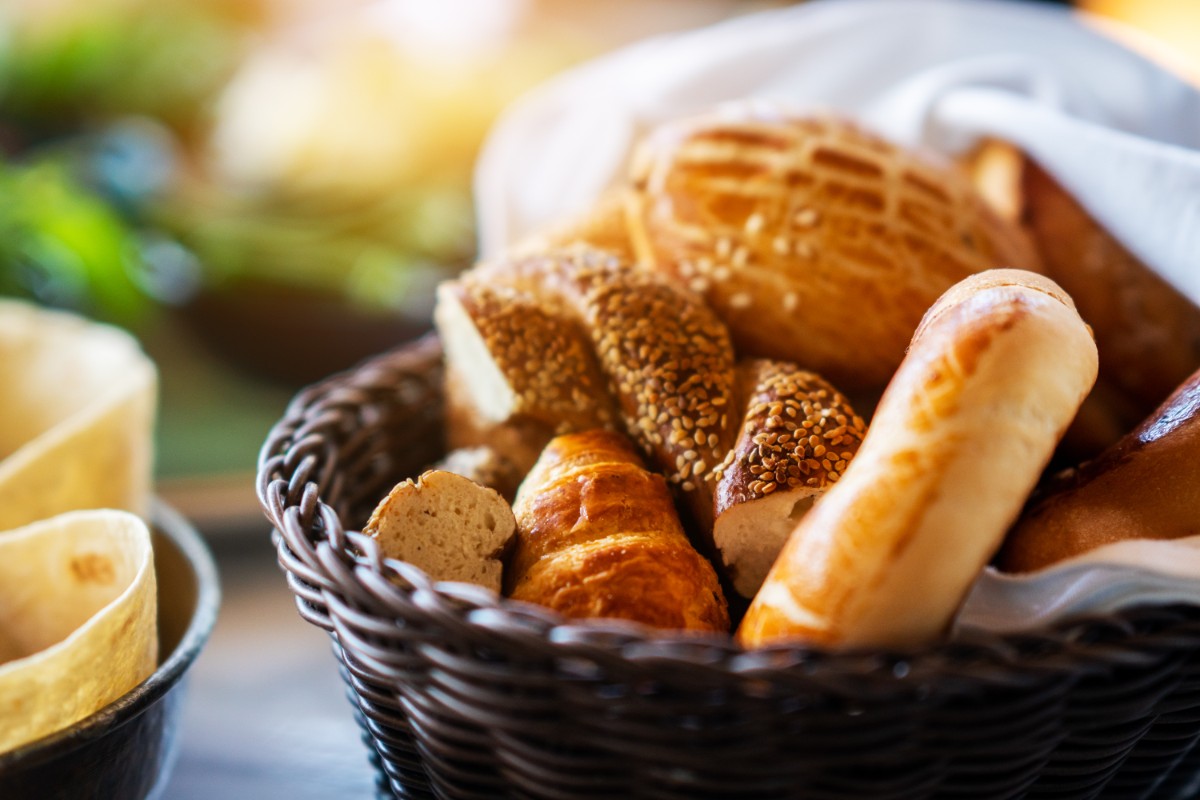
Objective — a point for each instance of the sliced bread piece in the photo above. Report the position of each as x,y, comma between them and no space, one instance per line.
448,525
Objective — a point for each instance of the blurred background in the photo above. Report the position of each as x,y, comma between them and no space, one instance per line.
267,191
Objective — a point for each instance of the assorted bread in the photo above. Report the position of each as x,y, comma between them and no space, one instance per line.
991,380
667,382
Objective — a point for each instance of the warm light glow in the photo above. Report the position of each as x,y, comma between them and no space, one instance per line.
1165,30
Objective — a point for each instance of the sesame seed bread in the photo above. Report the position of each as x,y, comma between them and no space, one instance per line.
1146,486
448,525
815,241
518,359
598,536
994,374
797,437
653,351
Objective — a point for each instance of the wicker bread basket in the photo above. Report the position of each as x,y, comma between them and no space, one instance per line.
462,694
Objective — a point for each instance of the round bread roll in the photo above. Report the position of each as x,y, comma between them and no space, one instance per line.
1146,486
814,240
992,378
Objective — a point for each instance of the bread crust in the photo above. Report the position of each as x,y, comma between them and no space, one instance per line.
993,376
1146,486
1147,332
598,536
804,233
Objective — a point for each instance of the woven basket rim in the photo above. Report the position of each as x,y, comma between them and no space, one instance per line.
353,574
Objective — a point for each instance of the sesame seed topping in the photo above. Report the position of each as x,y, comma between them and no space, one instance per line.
754,224
740,300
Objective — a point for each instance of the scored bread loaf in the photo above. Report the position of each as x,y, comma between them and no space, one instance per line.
448,525
814,241
991,380
598,536
797,438
1146,486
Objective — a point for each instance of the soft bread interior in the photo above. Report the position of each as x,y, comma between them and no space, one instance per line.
750,535
491,395
449,526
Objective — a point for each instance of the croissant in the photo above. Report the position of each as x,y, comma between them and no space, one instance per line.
598,536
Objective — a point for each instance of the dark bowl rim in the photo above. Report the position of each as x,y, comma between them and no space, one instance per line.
131,705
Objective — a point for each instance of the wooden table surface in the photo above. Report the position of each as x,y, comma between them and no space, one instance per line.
266,715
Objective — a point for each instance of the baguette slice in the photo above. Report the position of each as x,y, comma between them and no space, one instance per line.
448,525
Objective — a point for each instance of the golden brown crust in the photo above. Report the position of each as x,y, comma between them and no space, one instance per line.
808,233
1147,332
598,536
1146,486
958,441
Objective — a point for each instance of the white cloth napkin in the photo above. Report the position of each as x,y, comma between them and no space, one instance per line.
1118,131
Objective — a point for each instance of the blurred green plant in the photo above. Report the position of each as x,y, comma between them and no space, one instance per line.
385,255
63,65
62,245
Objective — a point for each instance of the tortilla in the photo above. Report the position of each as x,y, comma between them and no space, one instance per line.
78,604
77,406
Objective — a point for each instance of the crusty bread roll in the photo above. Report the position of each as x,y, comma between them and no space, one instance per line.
815,241
1146,486
448,525
797,438
598,536
1147,332
993,376
585,333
